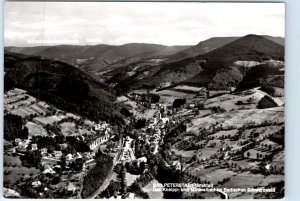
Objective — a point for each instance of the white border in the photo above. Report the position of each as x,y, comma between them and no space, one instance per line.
292,95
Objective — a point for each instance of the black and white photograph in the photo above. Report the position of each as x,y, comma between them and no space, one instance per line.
144,100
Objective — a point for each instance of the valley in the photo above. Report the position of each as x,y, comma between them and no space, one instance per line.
115,121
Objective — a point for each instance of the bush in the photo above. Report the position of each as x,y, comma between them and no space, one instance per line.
140,123
125,112
155,98
13,128
268,89
266,102
239,103
178,102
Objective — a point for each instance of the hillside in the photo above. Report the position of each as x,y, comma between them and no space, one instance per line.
216,68
220,70
262,75
250,47
97,57
278,40
213,43
62,85
26,50
101,58
202,48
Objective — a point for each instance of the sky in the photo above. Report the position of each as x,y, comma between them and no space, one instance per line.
117,23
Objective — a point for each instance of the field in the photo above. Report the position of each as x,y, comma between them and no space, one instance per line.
38,109
23,112
168,96
227,133
68,128
264,131
239,118
218,175
253,153
49,119
35,129
272,179
207,152
14,171
244,180
247,100
187,88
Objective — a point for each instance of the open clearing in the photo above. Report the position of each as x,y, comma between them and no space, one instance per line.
238,118
34,129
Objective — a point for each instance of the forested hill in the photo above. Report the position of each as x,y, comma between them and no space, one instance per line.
66,87
250,47
99,57
216,68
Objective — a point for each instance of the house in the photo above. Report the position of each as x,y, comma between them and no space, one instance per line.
97,141
44,151
63,146
226,155
57,154
192,106
165,120
34,147
79,155
107,131
268,167
49,171
153,122
22,146
101,127
69,157
142,159
17,140
36,184
71,187
177,165
57,166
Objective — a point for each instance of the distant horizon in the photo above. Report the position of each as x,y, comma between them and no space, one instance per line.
53,45
118,23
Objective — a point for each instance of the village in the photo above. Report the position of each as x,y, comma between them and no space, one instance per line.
54,143
189,126
222,142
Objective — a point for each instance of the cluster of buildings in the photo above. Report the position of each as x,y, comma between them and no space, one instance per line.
38,116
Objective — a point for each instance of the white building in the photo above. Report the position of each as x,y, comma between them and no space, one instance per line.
96,142
34,147
57,154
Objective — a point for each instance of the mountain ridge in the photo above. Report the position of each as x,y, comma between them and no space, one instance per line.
207,68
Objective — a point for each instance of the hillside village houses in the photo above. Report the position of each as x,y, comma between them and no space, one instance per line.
104,136
158,119
91,133
44,151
